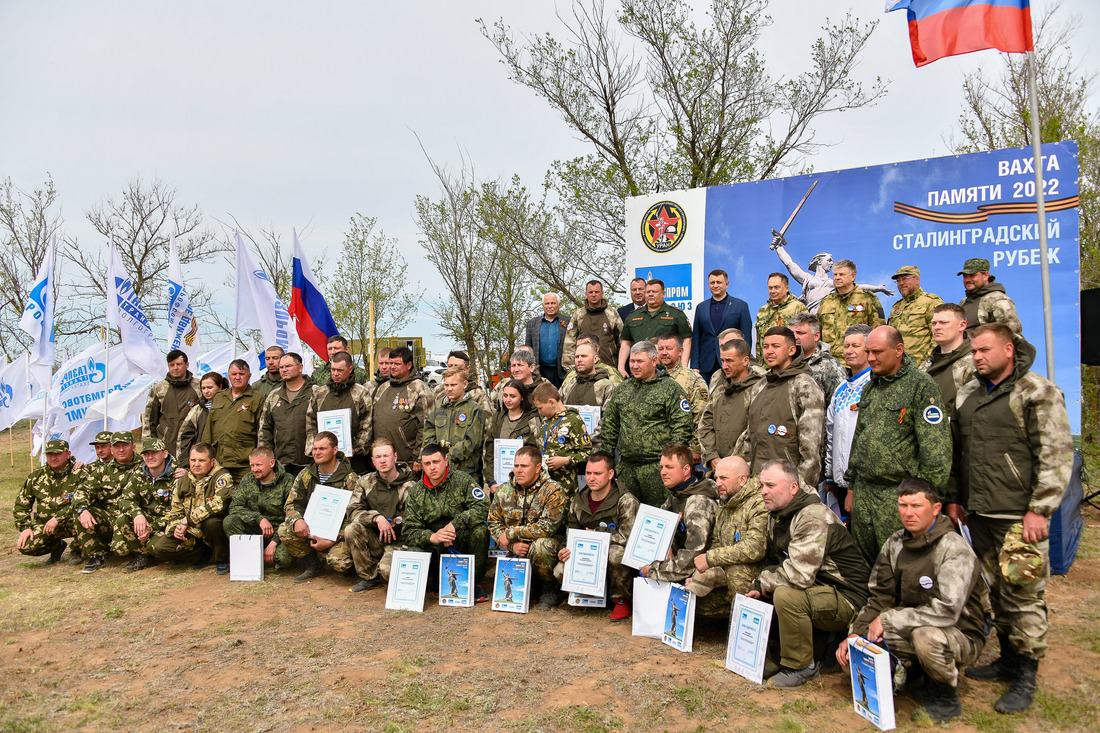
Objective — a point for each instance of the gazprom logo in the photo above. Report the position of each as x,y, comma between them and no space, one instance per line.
260,274
97,371
7,394
677,280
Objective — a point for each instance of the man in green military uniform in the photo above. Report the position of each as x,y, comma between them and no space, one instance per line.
43,511
343,393
170,400
283,418
271,377
95,503
777,311
322,375
143,505
329,468
726,415
670,352
912,315
233,424
986,300
259,502
846,305
447,510
457,424
525,518
401,407
645,415
901,432
595,318
658,317
564,438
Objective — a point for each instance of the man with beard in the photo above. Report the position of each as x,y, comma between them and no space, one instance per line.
986,300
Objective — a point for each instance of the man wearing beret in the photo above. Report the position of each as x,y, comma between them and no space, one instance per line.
912,315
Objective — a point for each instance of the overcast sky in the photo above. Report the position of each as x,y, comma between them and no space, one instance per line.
295,114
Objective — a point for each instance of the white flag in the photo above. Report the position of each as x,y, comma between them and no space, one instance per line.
124,310
37,320
219,359
258,306
181,319
15,391
82,381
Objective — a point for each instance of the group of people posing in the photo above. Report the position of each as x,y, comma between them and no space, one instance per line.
834,475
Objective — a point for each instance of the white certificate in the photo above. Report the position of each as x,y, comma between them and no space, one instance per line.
504,457
651,536
750,627
325,511
586,568
337,422
408,581
246,557
591,416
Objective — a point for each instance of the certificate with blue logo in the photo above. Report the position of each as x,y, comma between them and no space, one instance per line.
408,580
325,511
337,422
750,626
586,568
651,536
504,458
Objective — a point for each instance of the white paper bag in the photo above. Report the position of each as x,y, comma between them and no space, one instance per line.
246,557
650,607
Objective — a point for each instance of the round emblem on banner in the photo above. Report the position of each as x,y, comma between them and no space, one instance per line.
664,226
478,493
925,582
771,430
933,415
781,430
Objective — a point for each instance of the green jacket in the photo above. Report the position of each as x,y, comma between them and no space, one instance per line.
837,312
233,426
990,304
740,531
615,514
645,417
696,501
726,415
387,499
169,402
253,501
643,324
775,314
198,499
912,316
46,494
401,408
102,489
322,375
456,500
564,435
266,384
283,424
459,427
526,514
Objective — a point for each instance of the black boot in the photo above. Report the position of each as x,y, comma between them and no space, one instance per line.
941,701
1022,692
1003,668
55,554
312,568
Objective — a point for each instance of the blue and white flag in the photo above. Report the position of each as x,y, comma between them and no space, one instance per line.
37,320
181,318
15,391
258,306
124,310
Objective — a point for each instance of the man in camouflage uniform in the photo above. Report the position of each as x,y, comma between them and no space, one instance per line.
102,446
258,504
563,438
813,575
719,378
950,364
824,367
170,400
382,356
1014,459
330,468
589,382
447,510
670,352
322,375
283,418
928,599
986,300
233,424
401,406
342,393
658,317
457,424
272,377
726,415
912,315
645,415
604,506
95,503
846,305
474,391
194,524
901,432
143,505
787,416
777,311
43,511
735,554
376,519
525,518
595,318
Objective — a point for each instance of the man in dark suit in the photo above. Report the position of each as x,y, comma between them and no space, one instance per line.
637,298
546,336
714,315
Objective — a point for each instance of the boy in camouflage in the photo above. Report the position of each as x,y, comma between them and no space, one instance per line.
564,438
457,423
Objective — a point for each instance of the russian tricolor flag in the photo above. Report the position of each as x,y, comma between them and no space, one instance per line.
939,28
308,308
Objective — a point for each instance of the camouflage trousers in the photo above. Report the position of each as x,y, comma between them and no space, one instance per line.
43,544
372,557
167,547
874,517
643,480
93,541
1017,574
234,525
717,586
801,616
620,578
124,540
543,554
336,557
474,541
941,652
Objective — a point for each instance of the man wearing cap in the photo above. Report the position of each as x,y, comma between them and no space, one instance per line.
43,511
95,503
143,505
258,503
986,300
170,400
912,315
102,446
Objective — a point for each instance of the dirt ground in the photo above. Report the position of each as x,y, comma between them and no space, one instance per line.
174,649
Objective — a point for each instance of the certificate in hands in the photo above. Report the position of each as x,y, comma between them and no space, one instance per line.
750,626
408,581
651,536
325,511
586,568
504,457
337,422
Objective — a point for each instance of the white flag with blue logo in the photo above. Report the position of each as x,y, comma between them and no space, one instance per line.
258,305
15,391
181,318
124,310
37,320
82,381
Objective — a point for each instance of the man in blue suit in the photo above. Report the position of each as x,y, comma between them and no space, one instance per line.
714,315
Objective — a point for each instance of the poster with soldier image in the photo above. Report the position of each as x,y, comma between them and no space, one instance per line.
872,682
455,584
679,619
512,585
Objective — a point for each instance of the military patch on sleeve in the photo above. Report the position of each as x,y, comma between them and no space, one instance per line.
933,415
684,405
585,440
478,493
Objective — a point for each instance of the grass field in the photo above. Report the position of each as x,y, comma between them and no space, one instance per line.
173,649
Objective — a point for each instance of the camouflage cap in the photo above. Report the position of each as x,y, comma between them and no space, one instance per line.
975,265
122,436
57,446
152,444
103,436
1021,562
906,270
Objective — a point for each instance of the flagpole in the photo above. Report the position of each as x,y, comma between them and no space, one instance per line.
1040,206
